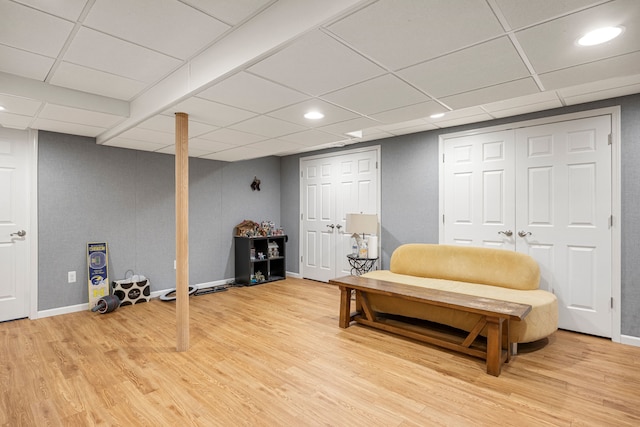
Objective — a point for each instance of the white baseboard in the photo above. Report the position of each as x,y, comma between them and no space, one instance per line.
296,275
630,340
85,306
156,294
63,310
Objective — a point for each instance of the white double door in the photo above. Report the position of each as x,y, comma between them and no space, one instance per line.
14,224
544,191
331,187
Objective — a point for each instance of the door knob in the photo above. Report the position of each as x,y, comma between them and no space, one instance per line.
507,233
20,233
523,233
331,226
338,226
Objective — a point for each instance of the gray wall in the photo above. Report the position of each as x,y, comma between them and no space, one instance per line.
88,192
409,199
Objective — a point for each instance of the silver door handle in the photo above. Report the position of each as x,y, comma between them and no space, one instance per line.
522,233
331,226
338,226
507,233
20,233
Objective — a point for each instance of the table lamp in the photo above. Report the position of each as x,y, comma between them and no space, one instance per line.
361,224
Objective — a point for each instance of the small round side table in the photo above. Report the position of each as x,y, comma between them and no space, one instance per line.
360,265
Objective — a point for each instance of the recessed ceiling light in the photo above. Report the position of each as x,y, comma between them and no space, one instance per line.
313,115
437,115
2,108
599,36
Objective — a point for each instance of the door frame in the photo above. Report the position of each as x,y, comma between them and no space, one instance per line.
301,190
32,240
616,192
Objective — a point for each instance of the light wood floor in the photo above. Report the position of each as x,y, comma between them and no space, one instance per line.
273,355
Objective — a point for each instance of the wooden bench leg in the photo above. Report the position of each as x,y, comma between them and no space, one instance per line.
345,307
494,345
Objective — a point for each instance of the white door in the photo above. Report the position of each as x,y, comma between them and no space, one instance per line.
14,230
479,190
333,186
549,186
563,187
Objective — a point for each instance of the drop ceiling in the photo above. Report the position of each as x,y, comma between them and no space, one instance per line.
246,71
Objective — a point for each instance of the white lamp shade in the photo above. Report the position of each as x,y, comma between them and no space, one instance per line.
362,223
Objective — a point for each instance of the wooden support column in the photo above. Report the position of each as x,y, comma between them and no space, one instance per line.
182,231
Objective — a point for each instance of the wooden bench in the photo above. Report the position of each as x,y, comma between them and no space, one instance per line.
494,314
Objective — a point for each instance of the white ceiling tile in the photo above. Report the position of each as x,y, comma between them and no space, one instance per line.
252,93
209,146
134,144
231,12
316,64
268,127
14,121
604,89
161,123
459,114
19,105
400,33
412,129
210,112
600,85
464,120
490,94
353,125
76,115
232,137
94,81
233,155
312,137
193,152
166,26
29,29
68,9
373,134
603,94
410,112
403,125
552,46
155,137
102,52
523,101
520,13
196,128
273,147
451,74
592,72
167,123
23,63
295,113
531,108
65,127
379,94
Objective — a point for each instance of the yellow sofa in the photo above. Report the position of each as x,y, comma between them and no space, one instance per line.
484,272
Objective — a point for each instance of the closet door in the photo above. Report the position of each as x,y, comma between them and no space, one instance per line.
479,190
333,186
563,211
550,186
318,218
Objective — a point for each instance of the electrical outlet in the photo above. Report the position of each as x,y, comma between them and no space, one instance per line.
71,277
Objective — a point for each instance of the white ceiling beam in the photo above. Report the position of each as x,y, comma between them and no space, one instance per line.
13,85
259,37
